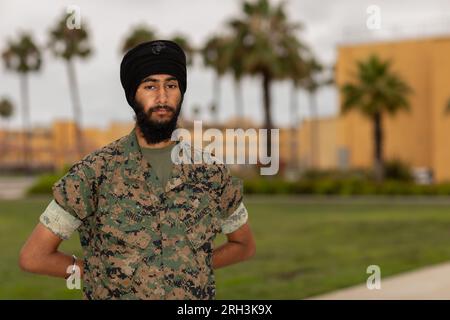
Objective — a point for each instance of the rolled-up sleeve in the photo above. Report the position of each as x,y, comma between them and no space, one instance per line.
236,220
59,221
232,213
76,192
231,194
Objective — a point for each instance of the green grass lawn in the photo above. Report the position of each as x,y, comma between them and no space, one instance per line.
303,249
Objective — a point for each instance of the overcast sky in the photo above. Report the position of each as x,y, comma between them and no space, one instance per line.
327,23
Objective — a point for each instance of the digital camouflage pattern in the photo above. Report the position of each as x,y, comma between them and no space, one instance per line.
140,241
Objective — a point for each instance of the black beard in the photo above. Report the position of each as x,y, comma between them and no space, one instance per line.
156,131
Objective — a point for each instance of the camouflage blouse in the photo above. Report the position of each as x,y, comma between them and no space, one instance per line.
140,240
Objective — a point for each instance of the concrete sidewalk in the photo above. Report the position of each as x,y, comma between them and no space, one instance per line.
14,187
425,284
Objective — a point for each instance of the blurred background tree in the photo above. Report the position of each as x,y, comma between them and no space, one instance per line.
264,34
184,42
214,57
376,91
6,111
23,56
68,44
138,35
312,82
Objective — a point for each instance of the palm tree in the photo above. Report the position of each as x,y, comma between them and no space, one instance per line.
189,50
138,35
214,56
68,44
294,68
187,47
312,82
23,56
376,91
234,54
261,34
6,108
6,111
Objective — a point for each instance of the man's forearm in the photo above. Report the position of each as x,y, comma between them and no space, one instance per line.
54,264
228,254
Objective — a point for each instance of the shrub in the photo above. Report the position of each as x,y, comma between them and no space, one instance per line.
45,182
397,170
442,189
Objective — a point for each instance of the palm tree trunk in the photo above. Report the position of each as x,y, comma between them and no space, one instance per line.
294,126
238,99
314,129
378,147
3,151
5,142
267,112
7,137
26,126
216,98
76,105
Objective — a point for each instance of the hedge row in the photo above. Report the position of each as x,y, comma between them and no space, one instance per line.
312,183
45,182
342,187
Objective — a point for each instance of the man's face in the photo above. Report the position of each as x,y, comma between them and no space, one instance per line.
158,103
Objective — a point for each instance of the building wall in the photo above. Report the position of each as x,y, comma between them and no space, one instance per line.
418,136
440,85
324,154
56,146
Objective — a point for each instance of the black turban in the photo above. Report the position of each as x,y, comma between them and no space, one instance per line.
153,57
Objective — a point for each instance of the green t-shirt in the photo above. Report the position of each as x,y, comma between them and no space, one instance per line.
161,162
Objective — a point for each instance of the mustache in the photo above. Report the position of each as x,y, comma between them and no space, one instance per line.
161,107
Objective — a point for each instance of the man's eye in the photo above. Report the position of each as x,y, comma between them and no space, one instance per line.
150,87
172,86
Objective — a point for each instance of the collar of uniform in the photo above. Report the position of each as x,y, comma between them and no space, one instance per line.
137,168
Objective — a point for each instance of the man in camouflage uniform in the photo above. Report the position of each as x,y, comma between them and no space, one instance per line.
146,224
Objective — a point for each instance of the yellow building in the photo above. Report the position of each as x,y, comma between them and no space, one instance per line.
55,146
418,137
318,150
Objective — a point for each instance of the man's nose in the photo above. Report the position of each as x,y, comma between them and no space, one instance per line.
162,96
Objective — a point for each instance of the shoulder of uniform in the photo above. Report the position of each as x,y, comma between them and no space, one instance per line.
108,151
206,155
205,163
98,160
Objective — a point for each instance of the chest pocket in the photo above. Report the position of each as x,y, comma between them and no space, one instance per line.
124,225
118,232
126,215
200,229
197,215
